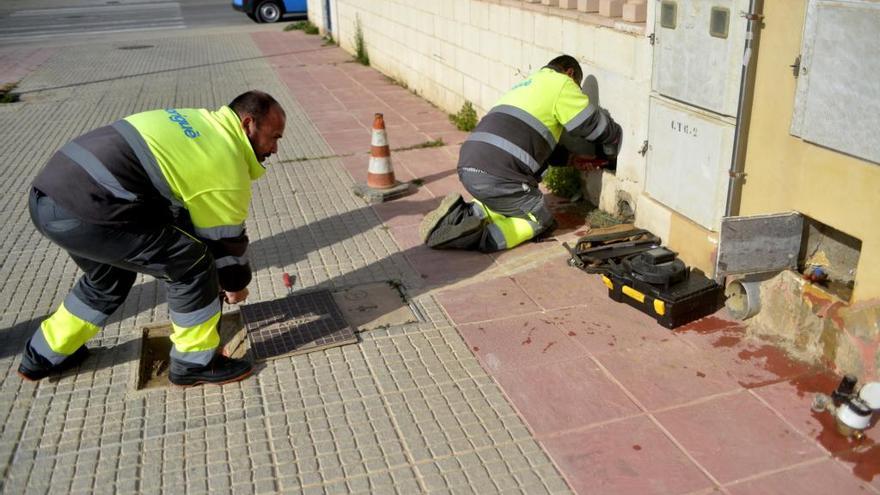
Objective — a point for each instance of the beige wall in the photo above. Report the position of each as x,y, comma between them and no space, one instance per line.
450,51
785,173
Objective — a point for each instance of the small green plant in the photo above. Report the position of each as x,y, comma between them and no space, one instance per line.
466,118
304,26
564,182
328,40
6,94
360,46
296,26
425,144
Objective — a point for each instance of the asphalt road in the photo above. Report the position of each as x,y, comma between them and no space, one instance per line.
52,22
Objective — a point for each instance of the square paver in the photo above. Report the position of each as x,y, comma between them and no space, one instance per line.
555,285
792,398
488,300
624,457
438,266
565,395
607,326
736,436
825,476
503,345
667,374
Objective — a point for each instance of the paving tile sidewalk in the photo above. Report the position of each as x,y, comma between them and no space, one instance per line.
619,403
523,376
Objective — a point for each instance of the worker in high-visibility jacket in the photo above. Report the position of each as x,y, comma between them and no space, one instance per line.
164,193
502,161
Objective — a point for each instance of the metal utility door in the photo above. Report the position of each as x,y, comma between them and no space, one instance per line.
837,104
688,160
759,244
698,52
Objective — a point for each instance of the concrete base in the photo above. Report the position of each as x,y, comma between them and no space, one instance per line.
815,326
372,195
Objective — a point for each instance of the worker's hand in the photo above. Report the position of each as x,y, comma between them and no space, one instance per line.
235,297
586,163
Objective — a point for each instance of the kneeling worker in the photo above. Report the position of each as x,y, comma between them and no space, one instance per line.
502,161
165,193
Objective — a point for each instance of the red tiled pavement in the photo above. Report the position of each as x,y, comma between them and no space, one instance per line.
824,477
555,285
667,374
16,63
625,457
497,298
737,436
747,422
603,326
503,345
565,395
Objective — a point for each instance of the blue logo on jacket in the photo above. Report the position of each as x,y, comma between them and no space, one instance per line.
183,123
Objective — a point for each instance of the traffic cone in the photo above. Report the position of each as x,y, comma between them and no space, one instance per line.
381,184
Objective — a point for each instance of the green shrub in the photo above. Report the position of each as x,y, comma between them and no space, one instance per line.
564,182
360,46
466,118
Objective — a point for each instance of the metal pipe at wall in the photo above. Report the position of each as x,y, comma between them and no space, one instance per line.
744,107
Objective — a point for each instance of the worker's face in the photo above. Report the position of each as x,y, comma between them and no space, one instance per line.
264,133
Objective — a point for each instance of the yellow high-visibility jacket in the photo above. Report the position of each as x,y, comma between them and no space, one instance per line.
189,167
517,137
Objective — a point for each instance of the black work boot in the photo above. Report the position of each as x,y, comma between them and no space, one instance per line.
444,233
220,370
34,367
433,218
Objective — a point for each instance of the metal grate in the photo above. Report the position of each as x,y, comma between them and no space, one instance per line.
295,325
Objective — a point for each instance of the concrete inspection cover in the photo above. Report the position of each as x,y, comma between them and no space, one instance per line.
295,325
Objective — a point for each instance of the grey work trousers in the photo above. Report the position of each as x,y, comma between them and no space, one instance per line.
503,196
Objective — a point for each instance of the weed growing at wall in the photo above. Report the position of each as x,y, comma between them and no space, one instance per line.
6,94
466,118
304,26
360,47
564,182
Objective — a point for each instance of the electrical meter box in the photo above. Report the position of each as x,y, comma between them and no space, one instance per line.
698,52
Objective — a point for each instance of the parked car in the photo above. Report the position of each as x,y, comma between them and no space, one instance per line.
270,10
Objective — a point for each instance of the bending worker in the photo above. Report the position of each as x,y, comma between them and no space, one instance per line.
502,161
164,193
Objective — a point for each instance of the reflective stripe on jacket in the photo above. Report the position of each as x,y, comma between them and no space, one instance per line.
139,172
518,135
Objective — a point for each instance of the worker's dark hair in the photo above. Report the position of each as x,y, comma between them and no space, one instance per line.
255,103
564,62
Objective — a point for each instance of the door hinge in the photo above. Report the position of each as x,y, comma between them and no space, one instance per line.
796,66
651,38
644,148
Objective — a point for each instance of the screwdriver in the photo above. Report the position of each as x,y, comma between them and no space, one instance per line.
288,282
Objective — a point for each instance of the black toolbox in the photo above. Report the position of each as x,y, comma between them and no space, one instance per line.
690,299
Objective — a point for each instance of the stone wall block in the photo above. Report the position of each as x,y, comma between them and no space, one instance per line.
611,8
635,11
588,5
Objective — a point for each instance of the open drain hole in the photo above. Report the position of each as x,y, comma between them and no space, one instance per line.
134,47
156,345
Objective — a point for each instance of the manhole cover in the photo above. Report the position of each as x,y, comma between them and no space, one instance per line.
295,325
376,305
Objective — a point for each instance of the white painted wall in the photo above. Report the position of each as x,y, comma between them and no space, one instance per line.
450,51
